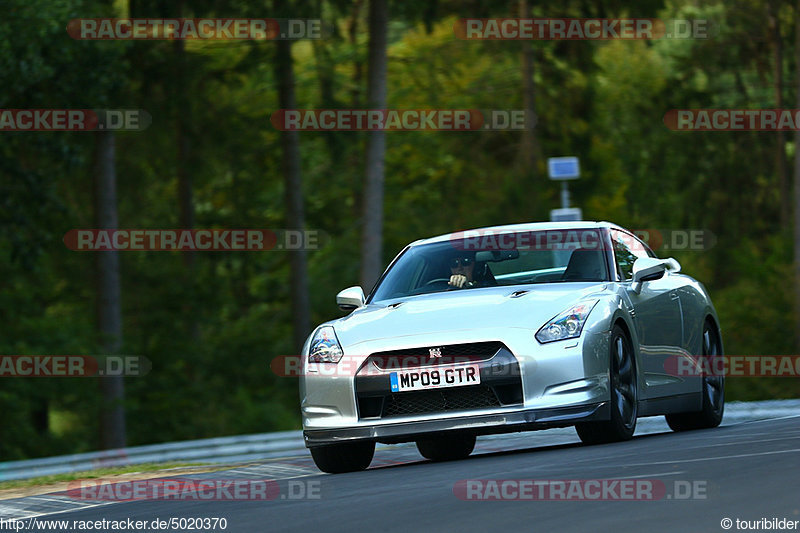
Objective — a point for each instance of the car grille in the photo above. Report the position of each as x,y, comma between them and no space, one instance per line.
443,400
450,353
500,384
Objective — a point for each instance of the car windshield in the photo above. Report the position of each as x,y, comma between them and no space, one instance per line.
486,260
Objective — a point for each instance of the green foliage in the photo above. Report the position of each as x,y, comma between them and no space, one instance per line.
211,329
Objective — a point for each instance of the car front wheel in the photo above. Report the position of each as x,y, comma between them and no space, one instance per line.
623,396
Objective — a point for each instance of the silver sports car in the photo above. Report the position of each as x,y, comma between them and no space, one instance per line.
511,328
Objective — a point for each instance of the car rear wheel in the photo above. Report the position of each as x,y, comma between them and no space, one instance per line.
446,448
345,457
623,396
713,392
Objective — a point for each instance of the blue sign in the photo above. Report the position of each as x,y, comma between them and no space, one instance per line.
563,168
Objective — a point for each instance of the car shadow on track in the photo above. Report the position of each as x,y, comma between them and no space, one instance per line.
389,463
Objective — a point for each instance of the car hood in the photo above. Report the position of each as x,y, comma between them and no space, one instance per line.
524,306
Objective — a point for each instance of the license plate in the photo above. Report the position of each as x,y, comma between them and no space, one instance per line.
435,378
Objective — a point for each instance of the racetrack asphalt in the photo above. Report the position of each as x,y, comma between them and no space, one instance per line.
747,470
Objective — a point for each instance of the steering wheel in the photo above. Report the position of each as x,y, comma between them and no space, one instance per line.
438,280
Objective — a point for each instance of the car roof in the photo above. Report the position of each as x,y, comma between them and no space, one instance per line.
516,228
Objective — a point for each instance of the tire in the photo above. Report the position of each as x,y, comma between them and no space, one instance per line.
345,457
713,392
448,448
623,395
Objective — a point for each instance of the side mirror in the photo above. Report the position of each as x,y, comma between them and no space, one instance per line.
350,298
672,264
647,269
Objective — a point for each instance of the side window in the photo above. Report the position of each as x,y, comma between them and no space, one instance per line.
627,249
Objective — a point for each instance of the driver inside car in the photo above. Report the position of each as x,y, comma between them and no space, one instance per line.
465,273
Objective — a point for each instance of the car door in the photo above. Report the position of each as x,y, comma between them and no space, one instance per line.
657,315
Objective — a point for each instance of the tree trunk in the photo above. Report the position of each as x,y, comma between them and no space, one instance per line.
109,310
352,33
780,136
797,180
326,78
354,160
372,217
530,146
295,217
180,104
185,199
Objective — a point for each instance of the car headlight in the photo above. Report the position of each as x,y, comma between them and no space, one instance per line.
566,325
325,347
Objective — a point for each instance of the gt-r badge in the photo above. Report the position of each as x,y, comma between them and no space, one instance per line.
435,352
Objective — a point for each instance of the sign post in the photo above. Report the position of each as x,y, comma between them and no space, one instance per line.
564,169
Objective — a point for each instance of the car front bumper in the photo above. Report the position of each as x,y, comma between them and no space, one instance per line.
505,422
